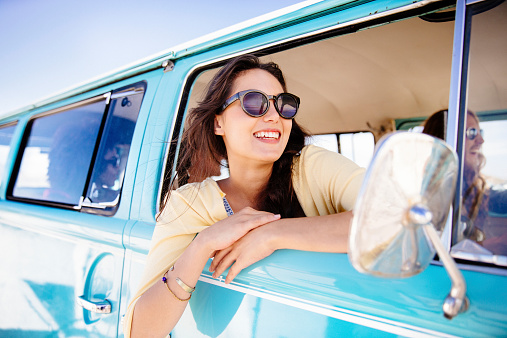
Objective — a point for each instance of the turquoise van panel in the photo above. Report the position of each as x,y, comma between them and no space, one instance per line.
52,257
296,294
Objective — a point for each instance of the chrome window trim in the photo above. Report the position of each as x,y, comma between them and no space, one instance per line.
205,64
457,103
94,99
9,124
466,266
498,260
453,111
129,92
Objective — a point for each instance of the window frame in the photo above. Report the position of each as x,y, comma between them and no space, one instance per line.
456,124
110,208
5,174
24,141
84,205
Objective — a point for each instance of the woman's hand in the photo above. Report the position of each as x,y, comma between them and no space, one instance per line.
224,233
254,246
319,233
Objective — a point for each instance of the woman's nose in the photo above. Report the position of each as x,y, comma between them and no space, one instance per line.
479,140
272,114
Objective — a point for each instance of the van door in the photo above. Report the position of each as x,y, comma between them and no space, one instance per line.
63,218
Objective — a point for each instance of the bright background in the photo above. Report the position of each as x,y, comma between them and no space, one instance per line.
47,46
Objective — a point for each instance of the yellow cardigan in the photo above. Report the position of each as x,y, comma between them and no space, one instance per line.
325,183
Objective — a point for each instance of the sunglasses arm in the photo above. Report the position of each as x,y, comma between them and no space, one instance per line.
230,100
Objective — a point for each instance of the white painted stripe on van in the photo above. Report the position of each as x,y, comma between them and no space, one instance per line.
373,322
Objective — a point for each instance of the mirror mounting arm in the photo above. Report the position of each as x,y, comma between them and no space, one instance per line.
457,301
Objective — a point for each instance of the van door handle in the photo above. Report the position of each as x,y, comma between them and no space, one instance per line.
97,307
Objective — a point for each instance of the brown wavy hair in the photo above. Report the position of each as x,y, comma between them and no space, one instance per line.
436,124
475,191
202,152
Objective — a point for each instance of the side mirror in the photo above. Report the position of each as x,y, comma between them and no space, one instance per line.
402,207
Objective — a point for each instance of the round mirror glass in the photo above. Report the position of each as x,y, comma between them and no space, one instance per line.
409,183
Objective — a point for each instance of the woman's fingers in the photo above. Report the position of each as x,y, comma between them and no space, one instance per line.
224,263
238,263
217,257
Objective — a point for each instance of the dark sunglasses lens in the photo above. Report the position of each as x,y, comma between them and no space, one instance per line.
472,133
287,106
115,161
255,104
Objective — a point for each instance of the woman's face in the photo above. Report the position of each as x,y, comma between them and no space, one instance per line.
260,139
473,153
114,158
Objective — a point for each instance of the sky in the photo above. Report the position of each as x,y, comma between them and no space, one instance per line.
47,46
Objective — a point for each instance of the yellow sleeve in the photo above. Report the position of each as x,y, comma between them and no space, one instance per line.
326,182
188,211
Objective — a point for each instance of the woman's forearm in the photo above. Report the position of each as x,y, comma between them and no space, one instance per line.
320,233
157,311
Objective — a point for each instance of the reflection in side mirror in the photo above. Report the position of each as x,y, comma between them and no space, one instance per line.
402,208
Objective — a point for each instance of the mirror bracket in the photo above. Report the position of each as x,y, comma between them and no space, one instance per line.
456,301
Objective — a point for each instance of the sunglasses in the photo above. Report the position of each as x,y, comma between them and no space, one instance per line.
256,103
114,161
473,132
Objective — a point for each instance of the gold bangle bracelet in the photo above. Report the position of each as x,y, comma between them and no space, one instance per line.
183,285
165,281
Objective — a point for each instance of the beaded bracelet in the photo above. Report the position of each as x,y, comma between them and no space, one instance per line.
164,280
184,286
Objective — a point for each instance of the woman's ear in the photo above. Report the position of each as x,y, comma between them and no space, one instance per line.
218,125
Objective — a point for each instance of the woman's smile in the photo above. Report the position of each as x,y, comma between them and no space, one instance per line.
268,135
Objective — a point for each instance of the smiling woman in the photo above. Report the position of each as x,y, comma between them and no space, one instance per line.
259,208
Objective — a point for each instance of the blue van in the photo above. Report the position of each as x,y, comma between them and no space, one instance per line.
83,174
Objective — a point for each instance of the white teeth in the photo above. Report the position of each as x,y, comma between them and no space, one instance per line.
267,134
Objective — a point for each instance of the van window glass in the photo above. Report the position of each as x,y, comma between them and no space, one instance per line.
358,147
56,159
107,177
482,231
326,141
5,141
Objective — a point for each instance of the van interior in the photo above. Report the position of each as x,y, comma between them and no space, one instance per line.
366,80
